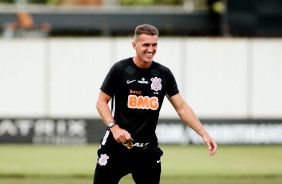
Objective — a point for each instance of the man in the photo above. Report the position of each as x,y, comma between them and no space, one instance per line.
137,86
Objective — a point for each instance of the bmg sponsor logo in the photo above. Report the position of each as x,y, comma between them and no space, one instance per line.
142,102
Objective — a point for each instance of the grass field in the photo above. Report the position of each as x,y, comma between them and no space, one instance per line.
38,164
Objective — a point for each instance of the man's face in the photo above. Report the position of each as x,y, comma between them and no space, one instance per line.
146,47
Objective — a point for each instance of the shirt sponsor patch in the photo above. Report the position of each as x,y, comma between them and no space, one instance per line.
142,102
143,81
135,92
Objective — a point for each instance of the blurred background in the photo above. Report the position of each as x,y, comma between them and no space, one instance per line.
225,54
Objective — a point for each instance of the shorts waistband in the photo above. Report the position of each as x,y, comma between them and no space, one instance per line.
133,144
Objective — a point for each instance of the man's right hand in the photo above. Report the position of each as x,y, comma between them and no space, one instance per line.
120,135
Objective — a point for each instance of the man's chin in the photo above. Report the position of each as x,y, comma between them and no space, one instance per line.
148,61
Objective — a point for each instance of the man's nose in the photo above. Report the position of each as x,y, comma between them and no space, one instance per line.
150,48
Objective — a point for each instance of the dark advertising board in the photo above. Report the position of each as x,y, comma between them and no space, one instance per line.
51,131
88,131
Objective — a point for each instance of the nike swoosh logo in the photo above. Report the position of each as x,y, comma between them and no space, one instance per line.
128,81
158,161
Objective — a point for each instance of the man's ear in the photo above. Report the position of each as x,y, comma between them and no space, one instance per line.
133,45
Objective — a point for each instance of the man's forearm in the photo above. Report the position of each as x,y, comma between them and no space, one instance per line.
190,118
104,112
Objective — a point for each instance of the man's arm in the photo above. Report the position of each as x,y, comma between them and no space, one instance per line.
120,135
186,113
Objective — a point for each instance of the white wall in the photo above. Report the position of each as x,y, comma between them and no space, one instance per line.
219,78
22,78
266,91
76,71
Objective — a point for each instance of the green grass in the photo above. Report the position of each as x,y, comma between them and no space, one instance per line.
38,164
128,180
230,161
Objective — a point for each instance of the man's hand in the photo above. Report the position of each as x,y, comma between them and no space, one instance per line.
129,144
212,146
120,135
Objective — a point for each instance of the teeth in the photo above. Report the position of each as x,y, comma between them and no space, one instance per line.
149,54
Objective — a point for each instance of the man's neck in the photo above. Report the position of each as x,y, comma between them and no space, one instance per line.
141,64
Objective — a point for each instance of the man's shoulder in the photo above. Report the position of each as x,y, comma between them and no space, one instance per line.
160,67
123,63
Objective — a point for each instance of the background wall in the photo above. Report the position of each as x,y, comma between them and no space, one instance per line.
219,77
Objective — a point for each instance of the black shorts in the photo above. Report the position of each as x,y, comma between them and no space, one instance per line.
115,161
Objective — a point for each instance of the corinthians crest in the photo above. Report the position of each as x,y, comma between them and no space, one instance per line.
156,84
103,160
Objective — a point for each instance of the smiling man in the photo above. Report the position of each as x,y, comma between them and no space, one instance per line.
136,87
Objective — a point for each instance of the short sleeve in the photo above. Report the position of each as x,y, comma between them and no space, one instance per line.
110,83
172,88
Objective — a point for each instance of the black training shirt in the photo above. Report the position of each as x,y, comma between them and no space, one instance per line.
137,96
